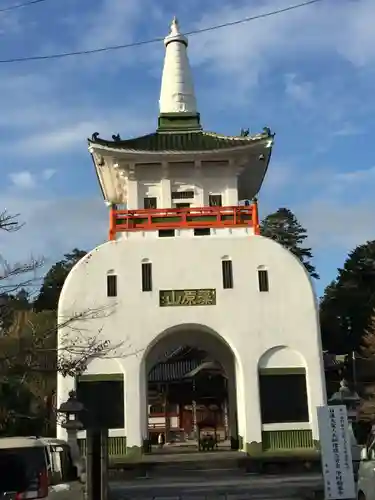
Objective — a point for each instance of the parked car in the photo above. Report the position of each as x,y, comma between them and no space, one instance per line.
366,474
35,468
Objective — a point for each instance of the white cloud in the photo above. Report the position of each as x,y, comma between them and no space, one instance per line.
23,180
48,173
244,51
300,91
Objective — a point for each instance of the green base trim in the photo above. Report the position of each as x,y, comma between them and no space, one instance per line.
169,122
282,371
101,377
116,446
287,440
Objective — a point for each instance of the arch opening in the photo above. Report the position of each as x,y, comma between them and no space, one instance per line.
191,374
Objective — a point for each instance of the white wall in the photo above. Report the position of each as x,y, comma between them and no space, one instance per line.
250,322
210,178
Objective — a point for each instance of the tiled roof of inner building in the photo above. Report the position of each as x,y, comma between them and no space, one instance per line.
172,371
180,141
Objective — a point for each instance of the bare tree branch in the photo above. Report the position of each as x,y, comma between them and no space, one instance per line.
9,222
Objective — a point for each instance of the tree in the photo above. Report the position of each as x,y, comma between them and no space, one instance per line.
283,227
367,408
348,302
54,279
14,278
29,354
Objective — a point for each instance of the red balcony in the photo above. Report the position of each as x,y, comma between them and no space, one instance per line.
183,218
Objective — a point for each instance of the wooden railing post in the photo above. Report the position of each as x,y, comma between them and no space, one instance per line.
112,222
255,217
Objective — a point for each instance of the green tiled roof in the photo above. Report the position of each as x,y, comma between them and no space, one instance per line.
180,141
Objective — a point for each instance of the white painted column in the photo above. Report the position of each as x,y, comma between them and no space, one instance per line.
135,400
199,200
231,192
249,404
64,386
133,201
165,193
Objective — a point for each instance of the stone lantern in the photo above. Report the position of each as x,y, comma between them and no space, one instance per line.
71,409
349,398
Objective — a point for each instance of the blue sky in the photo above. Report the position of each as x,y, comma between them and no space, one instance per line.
307,74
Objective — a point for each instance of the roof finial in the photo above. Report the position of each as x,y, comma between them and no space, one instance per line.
175,28
177,90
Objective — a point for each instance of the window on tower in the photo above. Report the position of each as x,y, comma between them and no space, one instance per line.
263,280
166,233
202,231
111,285
227,270
215,200
150,203
182,195
146,277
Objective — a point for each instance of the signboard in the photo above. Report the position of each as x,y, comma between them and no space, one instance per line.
199,297
336,452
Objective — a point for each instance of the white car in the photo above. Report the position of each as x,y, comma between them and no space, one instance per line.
366,474
35,468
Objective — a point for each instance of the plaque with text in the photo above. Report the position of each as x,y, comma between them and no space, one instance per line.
194,297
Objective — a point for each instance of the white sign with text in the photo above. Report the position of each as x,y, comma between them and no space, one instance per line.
336,452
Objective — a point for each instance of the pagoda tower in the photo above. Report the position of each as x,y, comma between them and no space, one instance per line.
185,264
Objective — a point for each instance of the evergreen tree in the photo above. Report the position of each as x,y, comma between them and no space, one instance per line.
348,302
283,227
53,282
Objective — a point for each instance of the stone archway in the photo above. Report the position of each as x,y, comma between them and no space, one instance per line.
177,366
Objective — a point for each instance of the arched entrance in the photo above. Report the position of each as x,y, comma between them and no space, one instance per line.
191,391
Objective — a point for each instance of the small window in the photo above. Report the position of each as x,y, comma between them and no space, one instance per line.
182,205
111,285
166,233
182,195
214,200
146,277
202,231
150,203
263,280
227,269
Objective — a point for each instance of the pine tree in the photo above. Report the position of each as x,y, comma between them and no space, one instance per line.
348,302
367,409
54,279
283,227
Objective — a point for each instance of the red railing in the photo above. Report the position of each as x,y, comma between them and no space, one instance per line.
183,218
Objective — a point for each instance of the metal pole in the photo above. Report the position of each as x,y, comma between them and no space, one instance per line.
93,465
354,368
104,464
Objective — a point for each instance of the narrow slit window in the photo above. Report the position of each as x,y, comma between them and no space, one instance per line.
111,285
166,233
263,280
215,200
146,277
150,203
202,231
227,269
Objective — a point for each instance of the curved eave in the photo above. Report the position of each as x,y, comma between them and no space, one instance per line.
266,169
268,143
97,176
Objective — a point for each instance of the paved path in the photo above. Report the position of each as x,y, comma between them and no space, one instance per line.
247,487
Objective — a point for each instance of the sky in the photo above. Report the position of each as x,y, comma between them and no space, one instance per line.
308,74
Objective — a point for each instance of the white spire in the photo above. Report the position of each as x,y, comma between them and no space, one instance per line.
177,89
